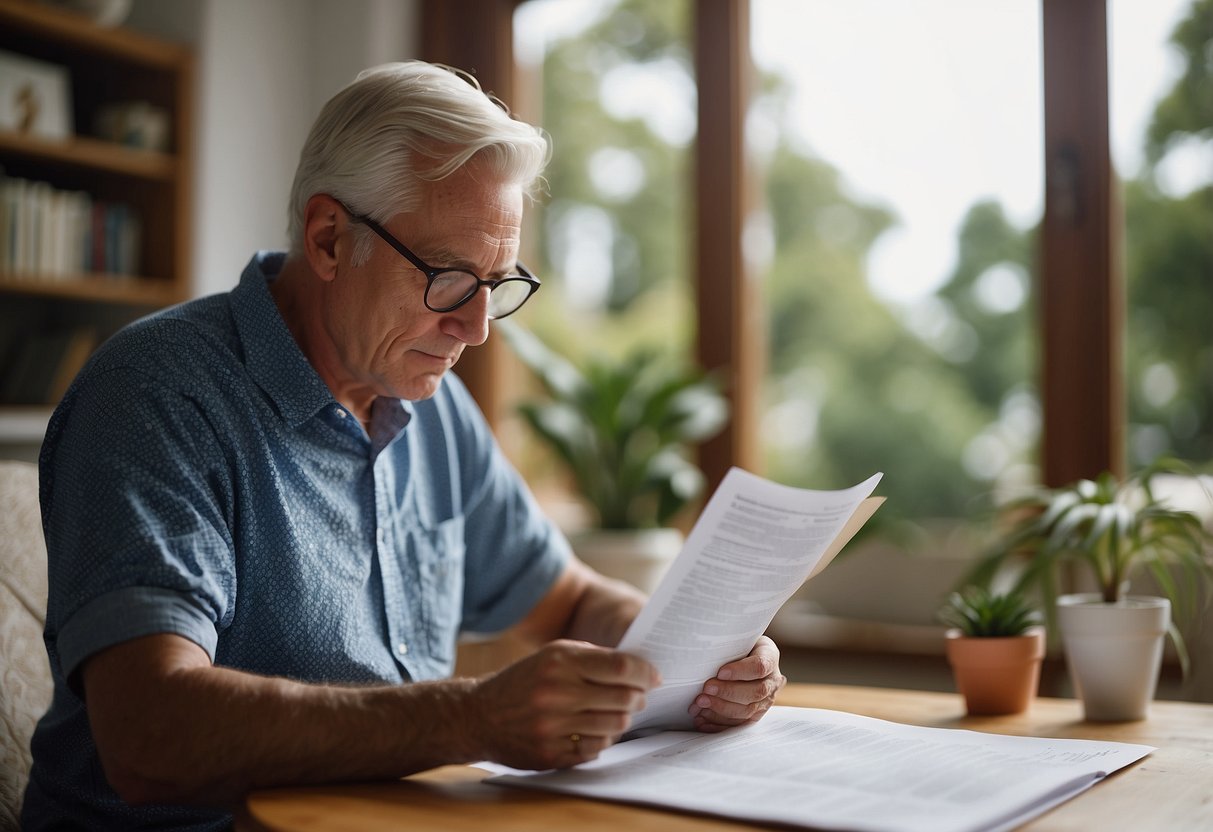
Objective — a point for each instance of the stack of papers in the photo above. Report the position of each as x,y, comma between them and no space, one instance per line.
752,548
832,770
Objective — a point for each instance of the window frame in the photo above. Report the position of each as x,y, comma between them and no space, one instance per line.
1080,287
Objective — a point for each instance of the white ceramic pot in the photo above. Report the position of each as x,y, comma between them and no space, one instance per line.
1114,652
640,557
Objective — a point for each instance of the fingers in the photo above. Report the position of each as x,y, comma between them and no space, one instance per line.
562,705
762,661
573,676
575,748
592,735
736,702
610,667
742,691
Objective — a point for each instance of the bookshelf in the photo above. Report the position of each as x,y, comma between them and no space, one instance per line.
132,198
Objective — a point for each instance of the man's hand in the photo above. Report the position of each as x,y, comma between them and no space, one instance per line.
561,706
742,691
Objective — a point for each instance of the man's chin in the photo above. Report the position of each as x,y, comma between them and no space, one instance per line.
421,387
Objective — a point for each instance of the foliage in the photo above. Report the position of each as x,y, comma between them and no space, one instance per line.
1187,109
851,386
647,224
981,613
1115,528
1169,278
877,395
622,428
1167,264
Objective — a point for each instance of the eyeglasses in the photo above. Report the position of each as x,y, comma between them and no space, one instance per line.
448,289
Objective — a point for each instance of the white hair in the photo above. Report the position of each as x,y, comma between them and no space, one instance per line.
398,126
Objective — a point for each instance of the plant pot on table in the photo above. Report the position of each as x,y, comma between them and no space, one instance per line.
998,675
1114,652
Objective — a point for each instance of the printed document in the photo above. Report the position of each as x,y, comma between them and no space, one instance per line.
753,546
833,770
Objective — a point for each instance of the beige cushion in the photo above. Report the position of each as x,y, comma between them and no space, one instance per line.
25,675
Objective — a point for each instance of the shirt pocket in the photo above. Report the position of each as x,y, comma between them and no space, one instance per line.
441,558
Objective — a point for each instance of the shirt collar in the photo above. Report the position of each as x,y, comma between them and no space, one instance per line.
273,358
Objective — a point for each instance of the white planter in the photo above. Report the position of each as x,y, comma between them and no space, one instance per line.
640,557
1114,652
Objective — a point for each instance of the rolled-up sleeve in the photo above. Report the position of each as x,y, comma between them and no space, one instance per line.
135,510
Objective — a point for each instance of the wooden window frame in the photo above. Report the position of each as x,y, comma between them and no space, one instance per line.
1080,290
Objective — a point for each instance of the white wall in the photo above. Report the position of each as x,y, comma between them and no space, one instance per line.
264,69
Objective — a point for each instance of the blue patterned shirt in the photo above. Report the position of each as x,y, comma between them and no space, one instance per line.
200,479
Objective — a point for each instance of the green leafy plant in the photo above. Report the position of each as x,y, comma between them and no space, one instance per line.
981,613
1115,528
623,429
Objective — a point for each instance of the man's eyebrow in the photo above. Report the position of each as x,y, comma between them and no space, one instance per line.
445,258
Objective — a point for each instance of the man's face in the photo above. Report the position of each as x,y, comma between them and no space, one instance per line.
386,338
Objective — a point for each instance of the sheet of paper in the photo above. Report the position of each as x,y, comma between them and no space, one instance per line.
753,546
832,770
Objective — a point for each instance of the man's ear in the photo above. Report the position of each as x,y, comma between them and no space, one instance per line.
324,221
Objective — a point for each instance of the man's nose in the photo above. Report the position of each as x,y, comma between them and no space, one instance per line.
470,322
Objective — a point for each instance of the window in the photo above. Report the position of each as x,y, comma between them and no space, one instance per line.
612,84
1022,279
1162,150
902,156
1080,400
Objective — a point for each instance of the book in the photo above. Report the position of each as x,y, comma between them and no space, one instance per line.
45,232
754,545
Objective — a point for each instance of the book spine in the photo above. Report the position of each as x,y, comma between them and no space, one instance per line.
47,233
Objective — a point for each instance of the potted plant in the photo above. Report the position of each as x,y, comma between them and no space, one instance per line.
1118,530
995,645
624,430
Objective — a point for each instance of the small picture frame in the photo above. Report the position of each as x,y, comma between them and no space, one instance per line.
35,97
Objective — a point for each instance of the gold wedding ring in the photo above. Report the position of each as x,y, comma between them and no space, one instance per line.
575,739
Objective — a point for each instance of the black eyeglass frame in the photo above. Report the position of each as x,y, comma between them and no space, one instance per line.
432,274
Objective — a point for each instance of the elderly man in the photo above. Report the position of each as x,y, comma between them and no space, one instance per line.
270,513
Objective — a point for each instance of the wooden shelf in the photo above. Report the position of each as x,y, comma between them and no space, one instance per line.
92,154
109,288
76,30
105,67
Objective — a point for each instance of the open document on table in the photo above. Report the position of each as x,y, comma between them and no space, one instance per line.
832,770
753,546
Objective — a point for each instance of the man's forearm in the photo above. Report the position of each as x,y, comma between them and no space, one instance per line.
583,605
604,611
207,735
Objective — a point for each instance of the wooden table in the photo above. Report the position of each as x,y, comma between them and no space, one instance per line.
1172,789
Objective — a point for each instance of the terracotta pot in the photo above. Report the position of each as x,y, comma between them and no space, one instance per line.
996,675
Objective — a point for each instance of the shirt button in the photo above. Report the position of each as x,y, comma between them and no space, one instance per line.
341,414
402,648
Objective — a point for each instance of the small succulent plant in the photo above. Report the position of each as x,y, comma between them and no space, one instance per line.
979,612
